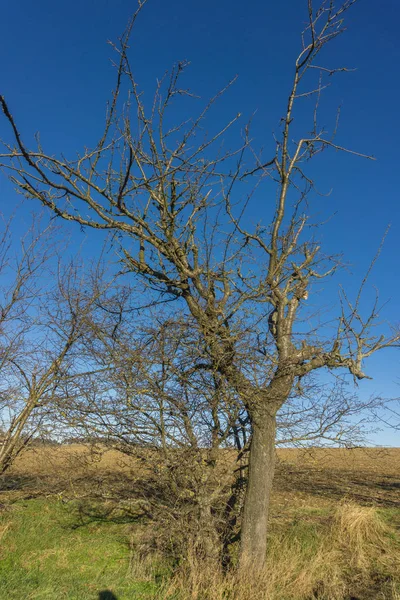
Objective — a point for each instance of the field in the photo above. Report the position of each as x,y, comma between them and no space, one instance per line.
69,530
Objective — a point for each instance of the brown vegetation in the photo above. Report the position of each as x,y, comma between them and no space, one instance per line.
308,478
329,536
342,564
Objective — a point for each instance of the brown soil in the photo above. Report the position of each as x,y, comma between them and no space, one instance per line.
309,478
368,476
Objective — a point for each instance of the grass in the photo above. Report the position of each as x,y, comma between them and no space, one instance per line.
353,555
46,554
320,546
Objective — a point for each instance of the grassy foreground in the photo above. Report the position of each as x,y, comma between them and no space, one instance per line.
320,547
47,554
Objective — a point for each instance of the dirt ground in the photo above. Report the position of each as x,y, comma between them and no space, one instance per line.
368,476
312,477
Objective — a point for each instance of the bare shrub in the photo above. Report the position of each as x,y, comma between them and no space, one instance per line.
184,497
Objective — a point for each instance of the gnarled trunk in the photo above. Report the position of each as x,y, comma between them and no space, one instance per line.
259,486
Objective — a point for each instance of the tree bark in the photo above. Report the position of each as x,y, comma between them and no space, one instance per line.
256,504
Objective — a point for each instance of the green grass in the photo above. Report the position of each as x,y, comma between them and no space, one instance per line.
52,551
46,553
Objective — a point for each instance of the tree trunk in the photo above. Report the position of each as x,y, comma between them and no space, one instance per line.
256,504
13,444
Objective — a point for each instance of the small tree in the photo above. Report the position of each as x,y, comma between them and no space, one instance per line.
179,211
41,328
159,401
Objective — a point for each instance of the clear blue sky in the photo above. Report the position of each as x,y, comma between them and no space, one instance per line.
56,74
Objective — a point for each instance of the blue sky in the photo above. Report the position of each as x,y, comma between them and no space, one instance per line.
56,74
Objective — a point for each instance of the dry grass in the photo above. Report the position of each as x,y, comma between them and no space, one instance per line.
48,460
395,592
3,530
328,539
358,531
341,563
305,479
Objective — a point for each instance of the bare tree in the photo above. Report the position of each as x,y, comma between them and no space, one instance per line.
179,211
42,324
158,401
20,293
